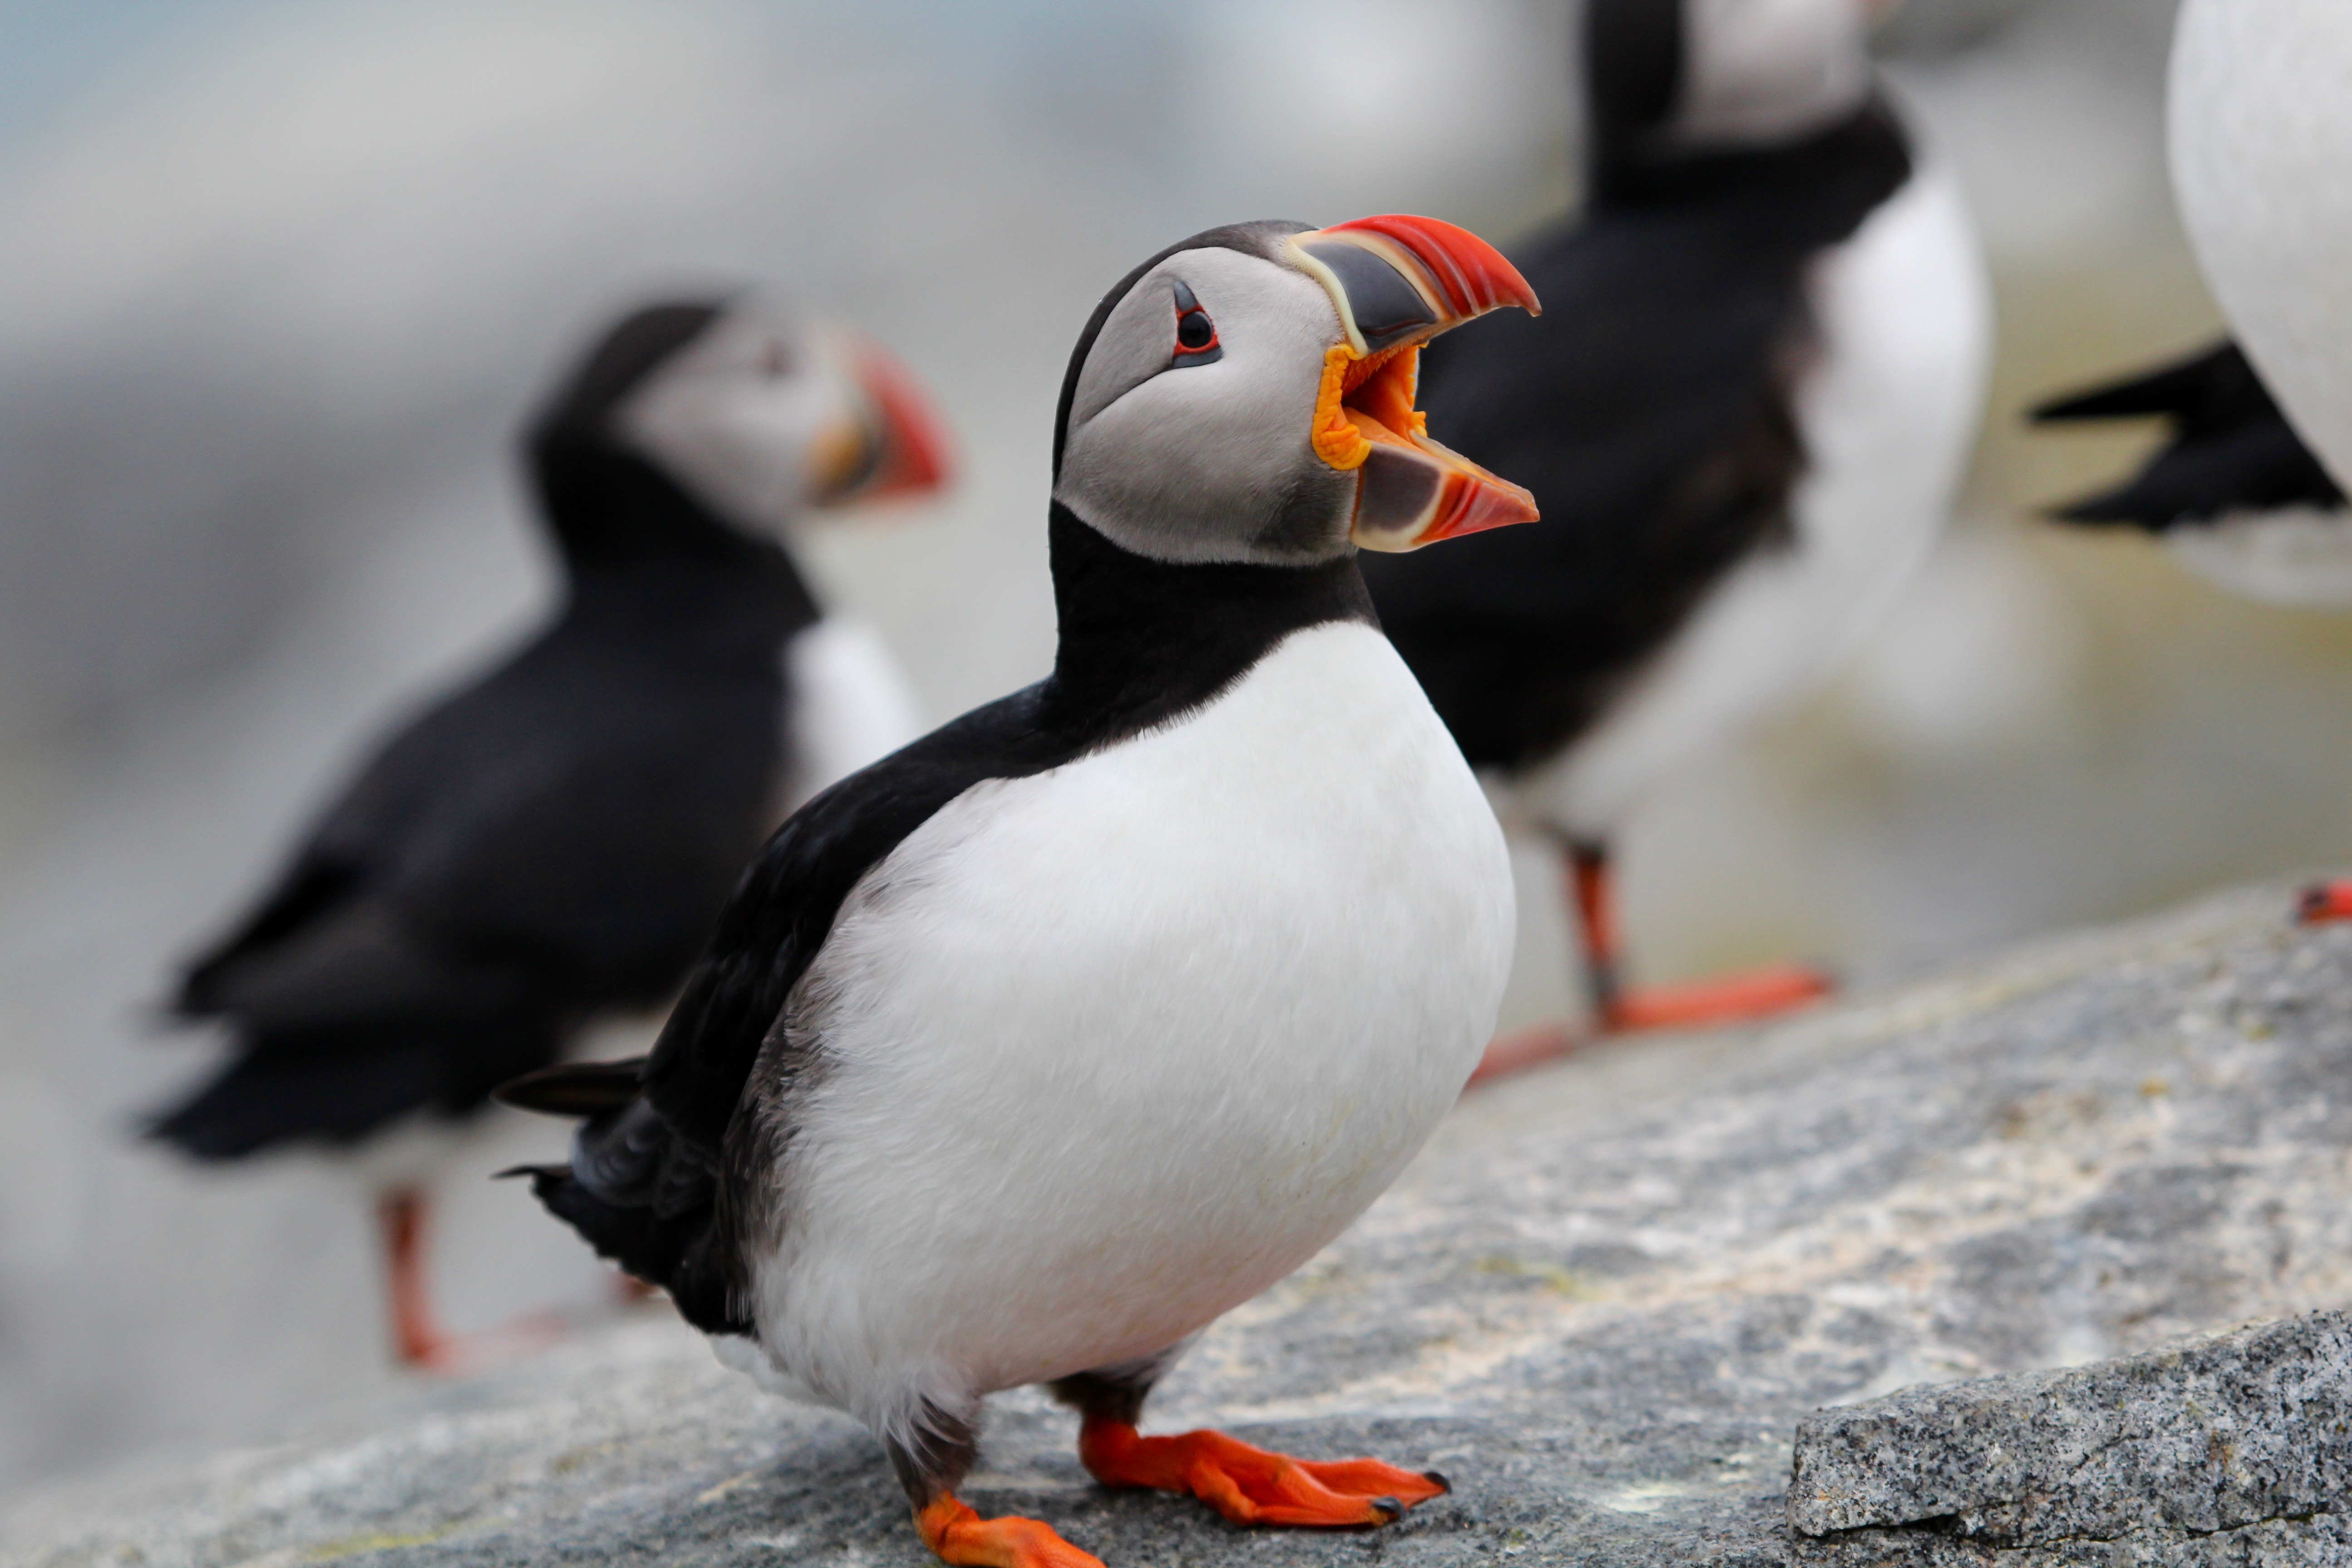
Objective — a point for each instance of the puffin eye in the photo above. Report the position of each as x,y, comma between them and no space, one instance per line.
1196,334
775,360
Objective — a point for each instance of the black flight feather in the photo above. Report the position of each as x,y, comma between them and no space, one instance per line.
575,1089
2230,449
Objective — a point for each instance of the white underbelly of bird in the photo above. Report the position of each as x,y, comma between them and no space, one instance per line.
1263,997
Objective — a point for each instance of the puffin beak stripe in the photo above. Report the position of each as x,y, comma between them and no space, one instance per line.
1471,275
1397,281
906,451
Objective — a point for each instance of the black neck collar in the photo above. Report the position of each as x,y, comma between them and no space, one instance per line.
625,527
1847,167
1142,641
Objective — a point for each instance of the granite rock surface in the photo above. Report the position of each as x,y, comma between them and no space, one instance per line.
2245,1436
1605,1302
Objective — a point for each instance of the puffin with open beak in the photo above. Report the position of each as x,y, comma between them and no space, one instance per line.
549,846
1025,1054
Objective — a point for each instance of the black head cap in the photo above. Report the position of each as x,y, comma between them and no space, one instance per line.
1633,76
606,502
581,408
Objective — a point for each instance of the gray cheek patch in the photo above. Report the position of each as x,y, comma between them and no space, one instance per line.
1396,490
1210,461
1132,347
1760,70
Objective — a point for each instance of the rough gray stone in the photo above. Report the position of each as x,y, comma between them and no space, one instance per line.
1603,1302
2220,1436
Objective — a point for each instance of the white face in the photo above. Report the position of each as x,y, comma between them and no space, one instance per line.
1764,70
760,417
1209,461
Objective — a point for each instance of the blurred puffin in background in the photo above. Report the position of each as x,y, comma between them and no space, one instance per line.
2233,492
2260,127
1744,415
548,845
1025,1053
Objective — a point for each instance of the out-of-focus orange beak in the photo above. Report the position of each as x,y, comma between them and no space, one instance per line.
905,451
1398,281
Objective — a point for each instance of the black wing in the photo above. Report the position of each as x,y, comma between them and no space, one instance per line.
643,1184
1649,408
554,839
2230,449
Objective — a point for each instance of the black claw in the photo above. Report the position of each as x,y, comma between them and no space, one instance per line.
1439,1482
1388,1507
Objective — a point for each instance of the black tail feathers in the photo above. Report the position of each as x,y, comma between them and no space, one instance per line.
637,1192
575,1089
265,1098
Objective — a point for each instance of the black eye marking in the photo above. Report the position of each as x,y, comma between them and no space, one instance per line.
1196,335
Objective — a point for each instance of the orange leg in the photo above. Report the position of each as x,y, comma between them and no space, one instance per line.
1595,896
1751,993
1728,998
2325,902
1526,1047
417,1335
956,1534
1252,1486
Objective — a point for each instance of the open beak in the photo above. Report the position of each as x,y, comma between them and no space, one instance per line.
1399,281
899,449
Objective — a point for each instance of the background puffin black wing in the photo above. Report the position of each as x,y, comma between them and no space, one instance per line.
2232,450
643,1182
552,840
1648,411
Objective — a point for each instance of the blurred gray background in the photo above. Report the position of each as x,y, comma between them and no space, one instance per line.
279,281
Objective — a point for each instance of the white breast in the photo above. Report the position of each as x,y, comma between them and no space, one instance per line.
1905,318
850,705
1114,1048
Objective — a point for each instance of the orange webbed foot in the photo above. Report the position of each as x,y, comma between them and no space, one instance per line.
2325,902
1727,998
1523,1048
1253,1485
958,1535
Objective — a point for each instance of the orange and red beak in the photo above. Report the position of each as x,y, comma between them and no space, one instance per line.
903,450
1398,281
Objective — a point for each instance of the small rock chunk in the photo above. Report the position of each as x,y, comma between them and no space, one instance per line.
2159,1457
